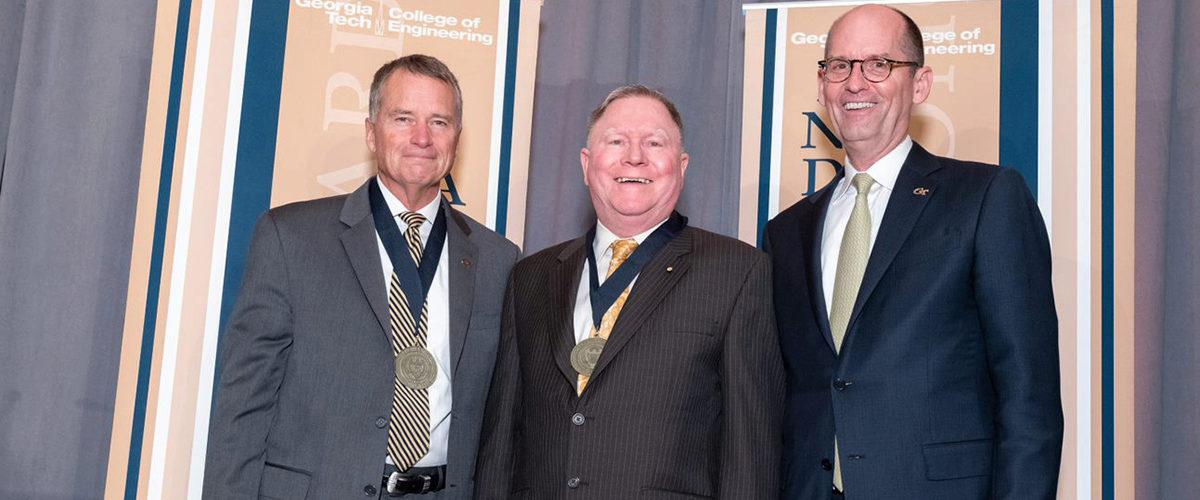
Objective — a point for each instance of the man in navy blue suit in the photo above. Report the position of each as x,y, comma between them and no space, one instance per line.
913,300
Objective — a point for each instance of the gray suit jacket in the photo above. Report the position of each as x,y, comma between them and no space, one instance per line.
685,402
305,368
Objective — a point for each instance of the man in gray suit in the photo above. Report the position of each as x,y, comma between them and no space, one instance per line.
358,357
660,378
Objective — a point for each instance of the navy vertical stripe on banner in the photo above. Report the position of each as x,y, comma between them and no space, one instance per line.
162,210
1019,88
510,86
1107,303
768,107
259,127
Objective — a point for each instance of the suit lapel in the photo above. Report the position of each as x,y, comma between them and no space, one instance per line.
461,262
903,209
362,249
563,285
811,235
653,284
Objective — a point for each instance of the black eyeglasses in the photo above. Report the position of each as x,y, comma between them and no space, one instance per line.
875,69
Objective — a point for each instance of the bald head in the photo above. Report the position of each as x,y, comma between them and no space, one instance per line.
872,117
872,16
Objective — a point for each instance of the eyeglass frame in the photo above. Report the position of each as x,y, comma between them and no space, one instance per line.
823,65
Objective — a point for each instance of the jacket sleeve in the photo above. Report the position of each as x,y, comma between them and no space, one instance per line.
753,392
1016,306
254,355
501,418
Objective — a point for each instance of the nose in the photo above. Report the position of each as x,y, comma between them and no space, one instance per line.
634,155
420,135
857,80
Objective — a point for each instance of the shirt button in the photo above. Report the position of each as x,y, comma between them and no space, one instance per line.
381,422
369,490
577,419
573,483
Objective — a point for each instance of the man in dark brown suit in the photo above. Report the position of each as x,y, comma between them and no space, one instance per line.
640,360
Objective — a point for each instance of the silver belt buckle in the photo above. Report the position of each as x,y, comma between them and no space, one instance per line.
426,483
391,484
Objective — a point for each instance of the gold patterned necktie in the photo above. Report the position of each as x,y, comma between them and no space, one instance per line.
408,423
852,264
621,250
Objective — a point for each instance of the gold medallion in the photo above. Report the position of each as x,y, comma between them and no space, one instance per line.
415,368
586,353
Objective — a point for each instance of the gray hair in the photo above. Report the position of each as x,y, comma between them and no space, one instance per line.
417,64
636,91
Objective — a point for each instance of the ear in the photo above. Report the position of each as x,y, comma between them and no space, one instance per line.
584,161
922,84
820,89
683,164
370,134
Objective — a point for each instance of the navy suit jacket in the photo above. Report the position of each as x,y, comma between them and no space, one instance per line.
947,383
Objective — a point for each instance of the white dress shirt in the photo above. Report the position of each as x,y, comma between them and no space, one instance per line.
885,171
438,338
583,298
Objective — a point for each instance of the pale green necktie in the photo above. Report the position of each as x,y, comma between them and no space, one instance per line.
852,264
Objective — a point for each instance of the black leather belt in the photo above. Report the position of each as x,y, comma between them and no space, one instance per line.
414,481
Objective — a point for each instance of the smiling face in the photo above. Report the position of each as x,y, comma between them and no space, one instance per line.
414,136
871,118
634,165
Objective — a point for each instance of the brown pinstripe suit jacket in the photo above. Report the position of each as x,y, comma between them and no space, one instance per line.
685,401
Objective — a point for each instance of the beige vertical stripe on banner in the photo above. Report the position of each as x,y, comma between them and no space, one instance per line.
1097,246
1124,232
143,236
751,124
1064,248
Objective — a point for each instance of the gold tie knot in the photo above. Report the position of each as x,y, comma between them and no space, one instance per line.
862,183
413,219
621,250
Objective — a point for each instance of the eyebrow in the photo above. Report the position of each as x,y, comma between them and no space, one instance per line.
864,58
402,111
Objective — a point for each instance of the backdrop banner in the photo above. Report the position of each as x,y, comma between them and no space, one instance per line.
789,146
257,104
987,104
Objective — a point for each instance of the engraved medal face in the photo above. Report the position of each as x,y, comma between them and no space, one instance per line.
415,368
586,353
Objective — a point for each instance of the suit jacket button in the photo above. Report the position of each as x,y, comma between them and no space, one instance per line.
840,384
826,464
369,490
577,419
573,483
380,422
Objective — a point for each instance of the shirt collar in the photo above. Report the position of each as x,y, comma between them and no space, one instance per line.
605,237
396,207
885,171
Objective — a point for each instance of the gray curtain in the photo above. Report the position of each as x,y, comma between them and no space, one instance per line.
690,50
11,16
1168,280
73,95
